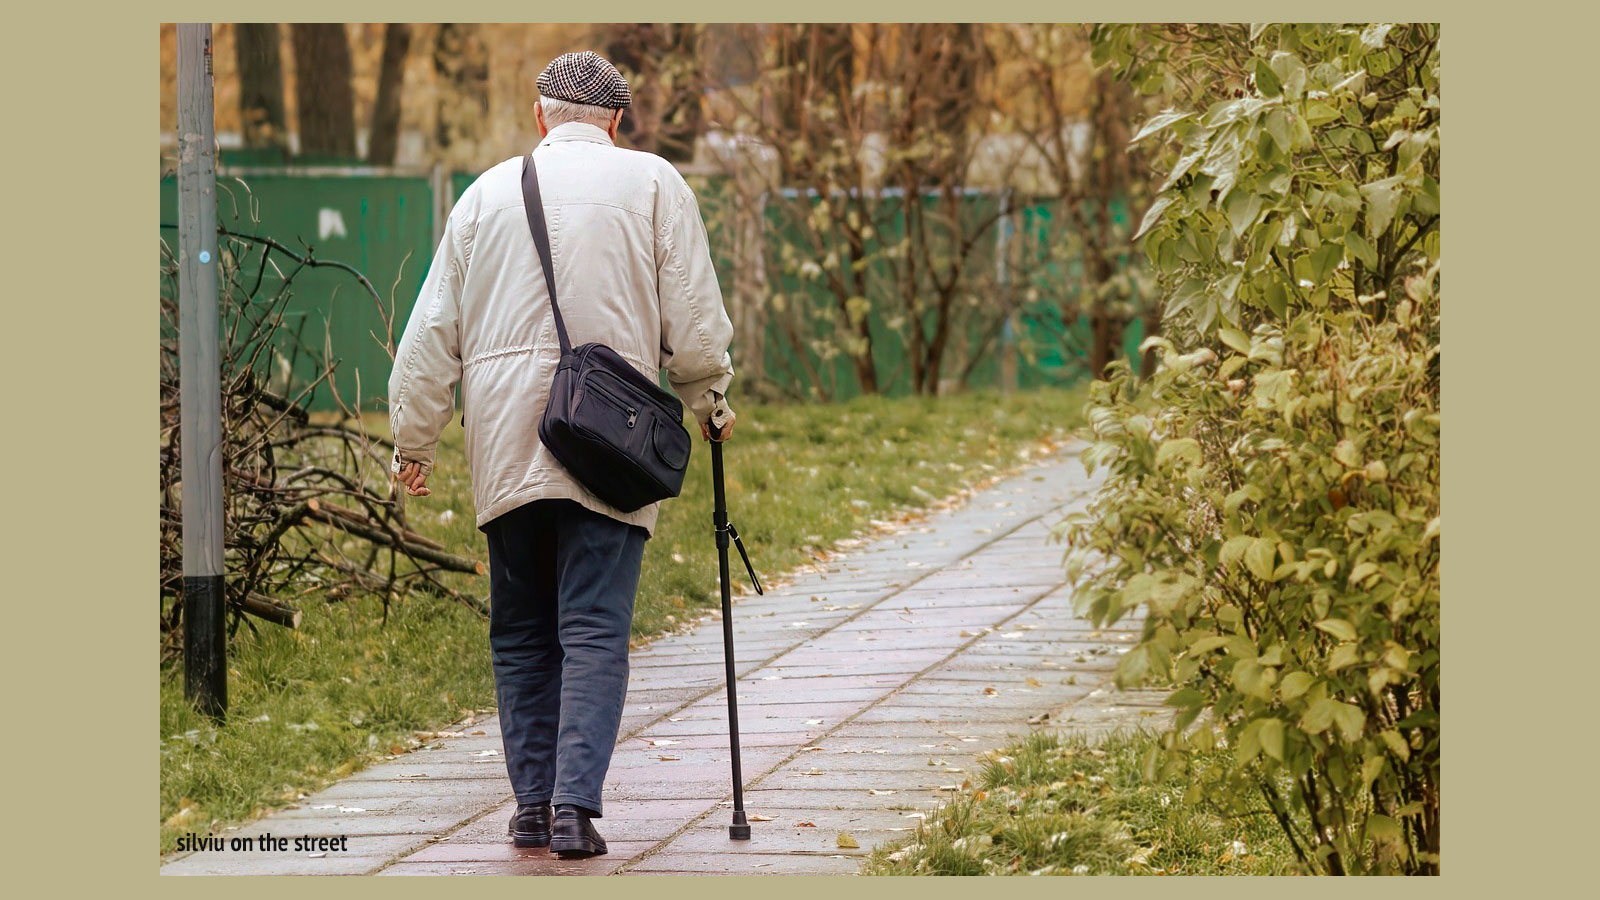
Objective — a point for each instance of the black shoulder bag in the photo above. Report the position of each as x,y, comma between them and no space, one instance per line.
615,430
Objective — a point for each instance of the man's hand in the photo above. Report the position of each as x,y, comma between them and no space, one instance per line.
415,482
727,428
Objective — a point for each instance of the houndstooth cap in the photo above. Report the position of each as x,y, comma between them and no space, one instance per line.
585,78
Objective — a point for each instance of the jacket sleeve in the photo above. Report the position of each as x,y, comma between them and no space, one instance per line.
427,365
695,329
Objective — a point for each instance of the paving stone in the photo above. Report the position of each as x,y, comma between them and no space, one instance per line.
931,616
934,729
273,864
777,802
720,739
843,743
431,770
333,824
437,804
922,777
821,840
549,864
902,760
817,821
502,851
700,863
356,793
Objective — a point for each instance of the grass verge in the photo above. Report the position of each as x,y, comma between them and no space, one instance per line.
1051,806
310,706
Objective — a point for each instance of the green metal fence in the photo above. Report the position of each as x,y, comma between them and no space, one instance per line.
381,224
384,224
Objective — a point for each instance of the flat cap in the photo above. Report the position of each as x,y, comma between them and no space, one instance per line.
585,78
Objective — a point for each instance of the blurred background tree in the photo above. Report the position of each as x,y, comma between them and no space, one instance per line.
325,104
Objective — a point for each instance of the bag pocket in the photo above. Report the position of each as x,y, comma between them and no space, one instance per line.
671,442
614,418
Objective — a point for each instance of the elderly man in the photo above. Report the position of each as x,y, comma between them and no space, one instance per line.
633,270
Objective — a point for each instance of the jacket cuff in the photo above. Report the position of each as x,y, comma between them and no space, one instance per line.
403,456
703,404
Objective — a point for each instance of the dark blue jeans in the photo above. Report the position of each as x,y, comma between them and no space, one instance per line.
562,581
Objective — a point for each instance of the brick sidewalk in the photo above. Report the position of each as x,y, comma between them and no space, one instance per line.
866,693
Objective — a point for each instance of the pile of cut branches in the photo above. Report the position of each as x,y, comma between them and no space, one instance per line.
310,512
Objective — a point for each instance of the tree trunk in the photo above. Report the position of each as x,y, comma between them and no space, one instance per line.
866,369
954,53
322,90
1110,178
260,62
1152,327
819,63
633,48
680,119
749,294
383,141
461,62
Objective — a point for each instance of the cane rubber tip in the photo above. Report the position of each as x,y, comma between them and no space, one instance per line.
739,832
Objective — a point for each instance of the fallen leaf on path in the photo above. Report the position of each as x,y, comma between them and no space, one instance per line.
760,818
990,690
665,758
805,824
1034,682
847,842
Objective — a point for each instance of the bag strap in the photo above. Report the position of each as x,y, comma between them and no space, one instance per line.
534,206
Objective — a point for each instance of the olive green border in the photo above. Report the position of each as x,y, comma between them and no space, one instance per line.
80,345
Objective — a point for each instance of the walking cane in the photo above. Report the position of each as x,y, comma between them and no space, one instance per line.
740,829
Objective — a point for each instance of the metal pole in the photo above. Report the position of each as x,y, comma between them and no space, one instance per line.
740,829
205,668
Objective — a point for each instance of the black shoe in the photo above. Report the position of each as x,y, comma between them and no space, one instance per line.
572,835
530,825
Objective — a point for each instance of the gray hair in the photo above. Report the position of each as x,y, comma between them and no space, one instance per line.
560,112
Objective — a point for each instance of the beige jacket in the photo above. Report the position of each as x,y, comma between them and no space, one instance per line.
633,270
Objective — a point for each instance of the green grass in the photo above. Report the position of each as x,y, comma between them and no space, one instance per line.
310,706
1050,806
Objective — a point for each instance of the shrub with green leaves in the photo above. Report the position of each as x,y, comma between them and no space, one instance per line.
1272,492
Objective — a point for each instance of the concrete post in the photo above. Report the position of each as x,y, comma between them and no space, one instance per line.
205,668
